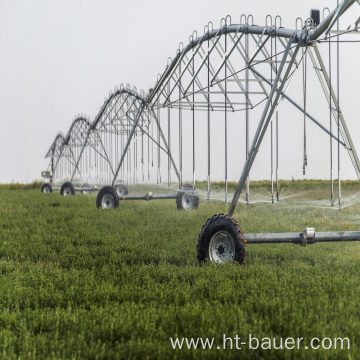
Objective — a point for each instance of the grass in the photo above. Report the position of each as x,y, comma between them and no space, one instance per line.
81,283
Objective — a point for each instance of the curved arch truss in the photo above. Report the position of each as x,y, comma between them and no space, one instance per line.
64,151
55,149
221,70
98,151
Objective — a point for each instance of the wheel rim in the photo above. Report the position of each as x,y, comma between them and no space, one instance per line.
107,201
222,247
187,201
67,191
46,189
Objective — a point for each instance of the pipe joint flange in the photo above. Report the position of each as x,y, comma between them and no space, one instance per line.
303,238
307,236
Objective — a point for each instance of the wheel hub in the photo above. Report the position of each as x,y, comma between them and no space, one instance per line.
108,201
187,202
67,191
222,247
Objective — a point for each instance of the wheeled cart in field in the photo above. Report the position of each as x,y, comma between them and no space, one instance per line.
68,188
186,198
221,239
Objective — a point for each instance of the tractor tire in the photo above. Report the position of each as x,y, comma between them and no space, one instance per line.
221,239
187,198
67,189
46,188
107,198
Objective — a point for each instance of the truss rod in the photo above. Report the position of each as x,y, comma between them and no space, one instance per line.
128,141
302,110
167,151
106,154
339,118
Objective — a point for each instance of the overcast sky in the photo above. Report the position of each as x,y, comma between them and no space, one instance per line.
59,58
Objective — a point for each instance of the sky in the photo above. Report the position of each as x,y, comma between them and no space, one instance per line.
60,58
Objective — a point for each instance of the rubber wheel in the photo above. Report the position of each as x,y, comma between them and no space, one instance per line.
187,198
67,189
107,198
86,192
121,189
221,240
46,188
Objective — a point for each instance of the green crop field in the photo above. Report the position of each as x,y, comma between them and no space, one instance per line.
81,283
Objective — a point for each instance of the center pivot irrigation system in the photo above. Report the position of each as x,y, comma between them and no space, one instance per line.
218,75
99,151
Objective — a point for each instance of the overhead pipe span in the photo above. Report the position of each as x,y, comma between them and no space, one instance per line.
312,35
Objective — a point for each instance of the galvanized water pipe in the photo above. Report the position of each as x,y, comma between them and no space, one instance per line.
308,236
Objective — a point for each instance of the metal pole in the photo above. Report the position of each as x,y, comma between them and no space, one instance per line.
152,136
180,130
264,121
52,164
158,149
277,122
271,130
304,94
169,144
122,149
208,123
193,119
116,155
96,159
247,140
226,137
142,155
331,150
338,105
135,159
129,165
302,238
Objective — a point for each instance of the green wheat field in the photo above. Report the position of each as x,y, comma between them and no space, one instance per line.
82,283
